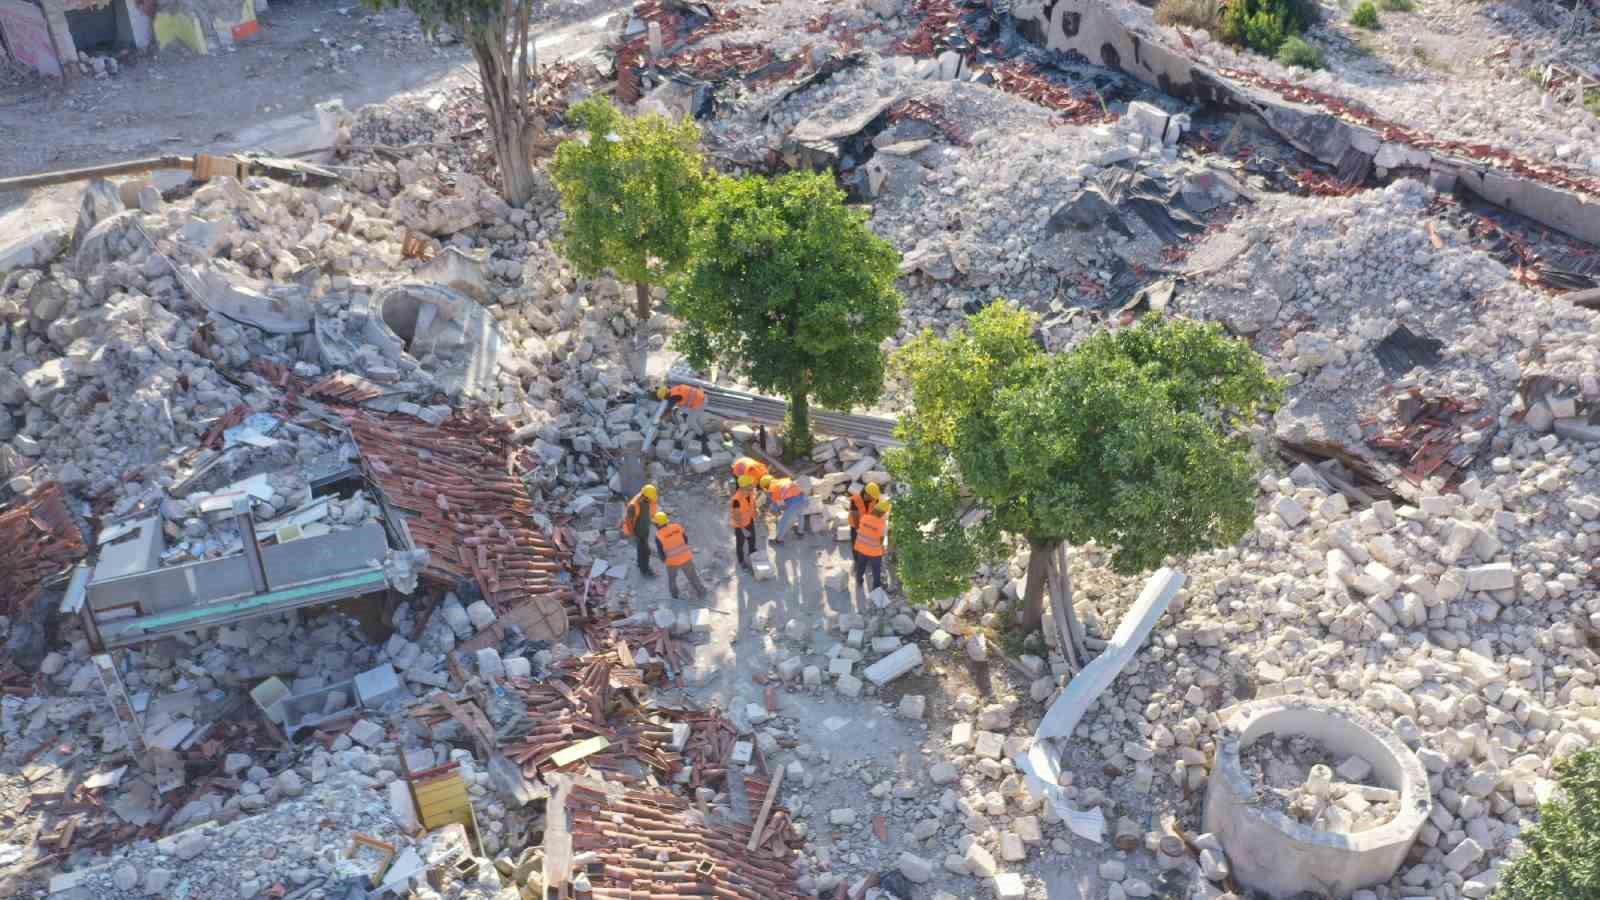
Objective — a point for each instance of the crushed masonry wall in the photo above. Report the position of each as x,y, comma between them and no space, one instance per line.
1092,29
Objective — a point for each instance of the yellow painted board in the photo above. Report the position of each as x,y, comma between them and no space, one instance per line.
578,751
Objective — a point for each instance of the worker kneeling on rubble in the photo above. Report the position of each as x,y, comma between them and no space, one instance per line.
637,526
871,537
789,500
673,545
688,398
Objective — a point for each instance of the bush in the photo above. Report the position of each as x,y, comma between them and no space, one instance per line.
1365,16
1397,5
1563,858
1296,52
1202,14
1263,25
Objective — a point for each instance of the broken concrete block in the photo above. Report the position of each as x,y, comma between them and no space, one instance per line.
927,621
267,695
402,806
367,733
988,744
1289,510
1009,886
480,615
839,665
743,752
979,861
941,639
848,685
916,869
912,706
489,664
894,665
879,598
518,667
1492,577
789,668
33,251
943,773
764,570
377,685
812,676
1011,849
960,734
977,648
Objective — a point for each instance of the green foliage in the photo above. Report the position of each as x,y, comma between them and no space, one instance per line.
1296,52
1563,858
1263,25
1127,440
1203,14
1591,101
1365,15
1397,5
787,285
628,191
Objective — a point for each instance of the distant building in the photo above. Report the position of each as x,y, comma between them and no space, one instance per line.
49,35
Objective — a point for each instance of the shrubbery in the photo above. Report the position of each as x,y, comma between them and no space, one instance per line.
1365,16
1563,858
1264,25
1296,52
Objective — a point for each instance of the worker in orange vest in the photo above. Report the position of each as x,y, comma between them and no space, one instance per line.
636,525
872,534
742,515
673,545
790,501
688,398
744,465
860,502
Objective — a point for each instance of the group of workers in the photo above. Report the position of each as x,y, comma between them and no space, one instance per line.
868,517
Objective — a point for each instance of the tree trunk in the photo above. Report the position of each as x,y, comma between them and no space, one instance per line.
1048,572
797,428
1034,587
504,68
641,299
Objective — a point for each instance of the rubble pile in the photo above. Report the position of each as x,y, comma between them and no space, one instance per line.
1503,107
1296,776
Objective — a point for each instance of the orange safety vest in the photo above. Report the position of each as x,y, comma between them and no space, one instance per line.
630,516
674,545
744,465
869,535
858,508
688,396
742,509
783,489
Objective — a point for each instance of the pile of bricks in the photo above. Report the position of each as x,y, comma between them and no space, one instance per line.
463,504
582,699
651,845
38,539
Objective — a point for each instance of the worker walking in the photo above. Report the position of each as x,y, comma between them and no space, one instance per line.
744,465
742,515
860,502
872,534
790,501
673,545
636,524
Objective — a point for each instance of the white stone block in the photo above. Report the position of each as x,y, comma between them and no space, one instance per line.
894,665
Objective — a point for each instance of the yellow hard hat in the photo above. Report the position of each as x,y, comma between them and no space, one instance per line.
746,481
661,392
660,518
766,482
648,491
873,490
883,506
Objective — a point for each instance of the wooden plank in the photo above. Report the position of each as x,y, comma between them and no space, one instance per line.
571,754
766,810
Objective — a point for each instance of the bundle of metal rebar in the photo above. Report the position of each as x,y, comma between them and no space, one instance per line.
727,403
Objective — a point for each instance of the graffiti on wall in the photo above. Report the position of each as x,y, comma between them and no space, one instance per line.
28,36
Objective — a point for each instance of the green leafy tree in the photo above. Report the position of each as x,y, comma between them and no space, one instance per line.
1127,440
788,286
499,34
1563,858
627,191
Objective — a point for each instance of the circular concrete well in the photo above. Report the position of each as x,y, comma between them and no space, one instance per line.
1278,856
